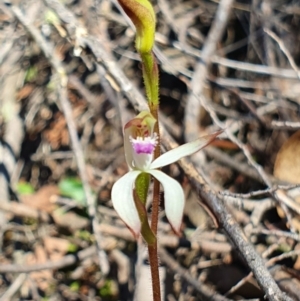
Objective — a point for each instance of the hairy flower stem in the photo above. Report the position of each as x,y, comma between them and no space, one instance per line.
153,259
151,79
152,249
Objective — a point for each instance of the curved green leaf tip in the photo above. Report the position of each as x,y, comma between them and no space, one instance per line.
142,14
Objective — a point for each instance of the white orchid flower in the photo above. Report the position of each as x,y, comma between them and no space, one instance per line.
140,141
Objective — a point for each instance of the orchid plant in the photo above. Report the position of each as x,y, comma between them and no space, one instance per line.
142,151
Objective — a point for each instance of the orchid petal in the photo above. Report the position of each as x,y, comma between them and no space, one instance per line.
182,151
123,202
174,198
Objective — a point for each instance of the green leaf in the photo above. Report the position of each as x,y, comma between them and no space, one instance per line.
146,231
142,15
24,188
74,286
31,74
151,78
51,17
141,186
84,235
72,248
108,291
72,188
51,86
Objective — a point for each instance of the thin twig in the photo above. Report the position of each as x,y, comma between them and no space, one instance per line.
67,110
222,61
244,66
269,263
285,125
203,244
205,292
259,192
224,158
278,195
278,233
192,109
49,265
284,50
16,285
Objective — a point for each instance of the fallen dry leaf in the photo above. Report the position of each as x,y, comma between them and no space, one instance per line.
287,164
43,199
25,92
287,168
41,278
56,247
70,220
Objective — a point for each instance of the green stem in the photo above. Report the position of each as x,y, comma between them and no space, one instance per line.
156,188
151,78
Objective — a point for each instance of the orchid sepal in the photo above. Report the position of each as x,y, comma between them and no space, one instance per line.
123,201
130,208
182,151
174,198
